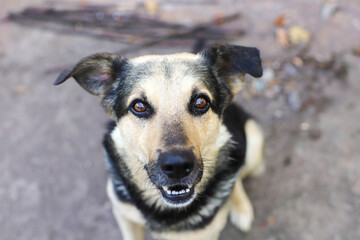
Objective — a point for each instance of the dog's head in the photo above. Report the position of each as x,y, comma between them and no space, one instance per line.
169,112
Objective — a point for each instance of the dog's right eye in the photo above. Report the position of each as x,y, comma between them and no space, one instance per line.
140,108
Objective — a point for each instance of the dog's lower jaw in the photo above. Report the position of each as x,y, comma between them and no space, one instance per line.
178,199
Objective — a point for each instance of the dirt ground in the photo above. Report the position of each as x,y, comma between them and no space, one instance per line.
52,172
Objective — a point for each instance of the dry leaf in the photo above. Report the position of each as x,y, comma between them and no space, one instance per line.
219,19
151,7
298,35
84,2
282,38
274,82
20,88
297,61
356,51
280,21
271,220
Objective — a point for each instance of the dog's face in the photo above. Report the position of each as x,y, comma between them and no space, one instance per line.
168,111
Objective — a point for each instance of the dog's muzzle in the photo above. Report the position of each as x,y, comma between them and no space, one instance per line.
177,171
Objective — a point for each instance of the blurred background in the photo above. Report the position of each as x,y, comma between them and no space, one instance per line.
52,172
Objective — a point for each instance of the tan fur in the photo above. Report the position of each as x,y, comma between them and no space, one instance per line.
180,56
254,164
237,83
128,217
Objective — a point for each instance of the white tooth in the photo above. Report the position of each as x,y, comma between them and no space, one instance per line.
182,191
187,190
173,192
165,188
189,186
168,192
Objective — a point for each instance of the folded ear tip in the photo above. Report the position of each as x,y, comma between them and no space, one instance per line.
63,76
258,74
259,70
258,66
58,81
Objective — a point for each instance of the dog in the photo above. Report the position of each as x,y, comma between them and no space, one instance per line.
178,147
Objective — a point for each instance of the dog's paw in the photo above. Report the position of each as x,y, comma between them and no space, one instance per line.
242,221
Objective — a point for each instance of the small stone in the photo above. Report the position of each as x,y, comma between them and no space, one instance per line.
294,101
329,9
290,70
79,26
304,126
272,238
287,161
278,114
276,65
258,85
314,134
100,16
268,75
356,187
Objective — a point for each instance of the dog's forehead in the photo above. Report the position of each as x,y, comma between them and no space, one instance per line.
174,75
167,65
172,57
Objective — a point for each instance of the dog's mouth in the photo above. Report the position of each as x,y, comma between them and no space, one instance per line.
178,195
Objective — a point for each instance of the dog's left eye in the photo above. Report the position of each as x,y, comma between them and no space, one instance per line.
199,105
200,102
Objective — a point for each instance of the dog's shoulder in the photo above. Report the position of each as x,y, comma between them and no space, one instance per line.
235,118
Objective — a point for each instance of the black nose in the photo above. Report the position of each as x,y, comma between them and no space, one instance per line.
177,163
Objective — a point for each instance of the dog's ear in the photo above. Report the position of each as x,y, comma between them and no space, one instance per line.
95,73
230,63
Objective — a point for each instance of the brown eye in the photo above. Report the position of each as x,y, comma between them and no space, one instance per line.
200,102
140,107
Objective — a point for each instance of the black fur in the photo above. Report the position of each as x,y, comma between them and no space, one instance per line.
229,60
231,158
